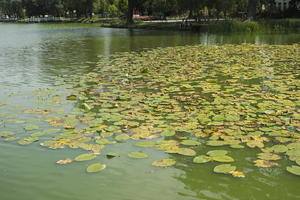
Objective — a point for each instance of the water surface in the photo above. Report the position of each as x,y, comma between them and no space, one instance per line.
31,56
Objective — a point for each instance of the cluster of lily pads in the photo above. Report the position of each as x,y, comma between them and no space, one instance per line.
177,99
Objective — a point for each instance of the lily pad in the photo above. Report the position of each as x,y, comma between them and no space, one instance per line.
190,142
167,162
222,158
146,144
265,163
137,155
202,159
294,169
96,167
168,132
268,156
122,137
224,169
85,157
217,153
31,127
6,133
186,152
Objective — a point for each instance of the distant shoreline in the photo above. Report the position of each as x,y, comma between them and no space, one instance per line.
230,25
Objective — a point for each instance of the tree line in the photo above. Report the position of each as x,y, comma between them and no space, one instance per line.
127,8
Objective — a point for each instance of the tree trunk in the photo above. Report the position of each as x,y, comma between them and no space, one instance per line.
130,12
252,9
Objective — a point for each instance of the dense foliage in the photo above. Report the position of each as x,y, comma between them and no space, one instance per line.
126,8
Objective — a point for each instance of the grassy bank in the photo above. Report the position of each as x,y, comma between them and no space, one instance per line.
270,25
220,26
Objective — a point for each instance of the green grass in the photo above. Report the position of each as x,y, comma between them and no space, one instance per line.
277,25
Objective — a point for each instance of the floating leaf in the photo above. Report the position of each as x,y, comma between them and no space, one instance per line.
31,127
215,143
186,152
217,153
268,156
167,162
122,137
64,162
168,132
112,155
279,148
137,155
265,163
222,158
6,133
294,169
105,141
190,142
237,174
224,169
146,144
85,157
202,159
96,167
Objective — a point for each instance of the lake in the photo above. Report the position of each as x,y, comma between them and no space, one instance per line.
33,56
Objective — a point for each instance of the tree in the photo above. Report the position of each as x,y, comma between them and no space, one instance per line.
252,4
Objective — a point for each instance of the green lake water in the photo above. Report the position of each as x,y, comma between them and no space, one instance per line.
32,56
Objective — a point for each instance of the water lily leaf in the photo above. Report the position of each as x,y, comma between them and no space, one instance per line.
186,152
6,133
105,141
237,174
28,140
96,167
294,169
265,163
64,162
222,158
202,159
293,146
146,144
237,146
167,162
122,137
216,143
168,132
71,97
268,156
279,148
137,155
31,127
255,143
224,169
217,153
85,157
112,155
190,142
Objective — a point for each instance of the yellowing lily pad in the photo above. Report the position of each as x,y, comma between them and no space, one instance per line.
265,163
64,162
167,162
